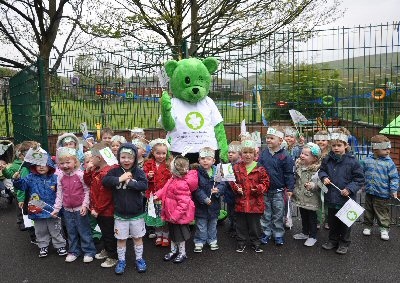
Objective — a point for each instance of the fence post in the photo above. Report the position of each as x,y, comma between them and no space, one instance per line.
42,104
5,92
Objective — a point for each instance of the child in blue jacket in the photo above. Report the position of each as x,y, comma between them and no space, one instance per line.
279,166
381,183
41,186
342,169
207,202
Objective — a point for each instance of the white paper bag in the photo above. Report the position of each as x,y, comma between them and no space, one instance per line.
289,220
151,210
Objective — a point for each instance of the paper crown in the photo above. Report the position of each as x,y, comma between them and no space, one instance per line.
381,145
322,137
137,131
340,137
68,139
65,152
206,153
315,150
234,147
127,150
118,138
139,144
248,144
159,141
274,132
289,132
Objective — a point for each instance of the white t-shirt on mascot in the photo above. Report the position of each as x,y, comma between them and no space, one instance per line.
194,124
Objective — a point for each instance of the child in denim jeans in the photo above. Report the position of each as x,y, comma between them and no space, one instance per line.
73,195
279,166
207,202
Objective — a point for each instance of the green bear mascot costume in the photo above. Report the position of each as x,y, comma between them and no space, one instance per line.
191,117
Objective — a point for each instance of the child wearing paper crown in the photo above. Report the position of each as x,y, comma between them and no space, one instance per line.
73,196
341,172
381,183
141,145
279,166
252,182
157,172
71,141
101,203
229,197
293,148
306,194
41,187
322,138
207,202
128,182
178,207
116,142
22,200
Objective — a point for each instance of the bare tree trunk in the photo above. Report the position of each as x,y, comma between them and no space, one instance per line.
195,38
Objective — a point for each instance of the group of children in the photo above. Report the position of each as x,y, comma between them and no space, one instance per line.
150,189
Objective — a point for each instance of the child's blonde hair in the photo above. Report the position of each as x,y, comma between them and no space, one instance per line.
65,153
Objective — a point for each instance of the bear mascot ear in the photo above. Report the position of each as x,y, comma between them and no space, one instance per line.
170,67
211,64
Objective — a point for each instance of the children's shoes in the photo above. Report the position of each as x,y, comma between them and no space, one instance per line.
170,256
180,258
43,252
165,242
198,248
141,265
310,242
120,268
385,235
159,241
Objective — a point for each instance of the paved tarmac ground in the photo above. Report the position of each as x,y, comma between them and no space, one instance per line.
369,259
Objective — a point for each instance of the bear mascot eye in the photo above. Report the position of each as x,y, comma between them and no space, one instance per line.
187,80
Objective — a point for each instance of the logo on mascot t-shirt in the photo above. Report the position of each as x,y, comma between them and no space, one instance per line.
194,120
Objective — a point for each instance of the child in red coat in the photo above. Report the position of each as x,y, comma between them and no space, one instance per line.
252,181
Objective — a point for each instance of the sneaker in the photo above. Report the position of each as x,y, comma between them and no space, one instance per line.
152,236
214,246
385,235
165,242
367,232
318,226
198,248
101,255
326,226
159,241
329,246
141,265
70,258
240,248
257,249
62,251
34,242
120,267
279,241
179,258
43,252
87,259
265,239
170,256
342,250
300,236
310,242
109,262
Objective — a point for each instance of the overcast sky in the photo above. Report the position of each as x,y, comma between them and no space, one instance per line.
365,12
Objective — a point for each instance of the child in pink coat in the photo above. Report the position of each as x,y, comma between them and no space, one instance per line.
178,207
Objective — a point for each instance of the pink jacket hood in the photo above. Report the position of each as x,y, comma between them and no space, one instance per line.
176,196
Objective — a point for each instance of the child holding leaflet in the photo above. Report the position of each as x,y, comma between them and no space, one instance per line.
341,172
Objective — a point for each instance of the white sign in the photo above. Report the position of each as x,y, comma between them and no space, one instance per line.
108,156
36,156
227,173
163,77
350,212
